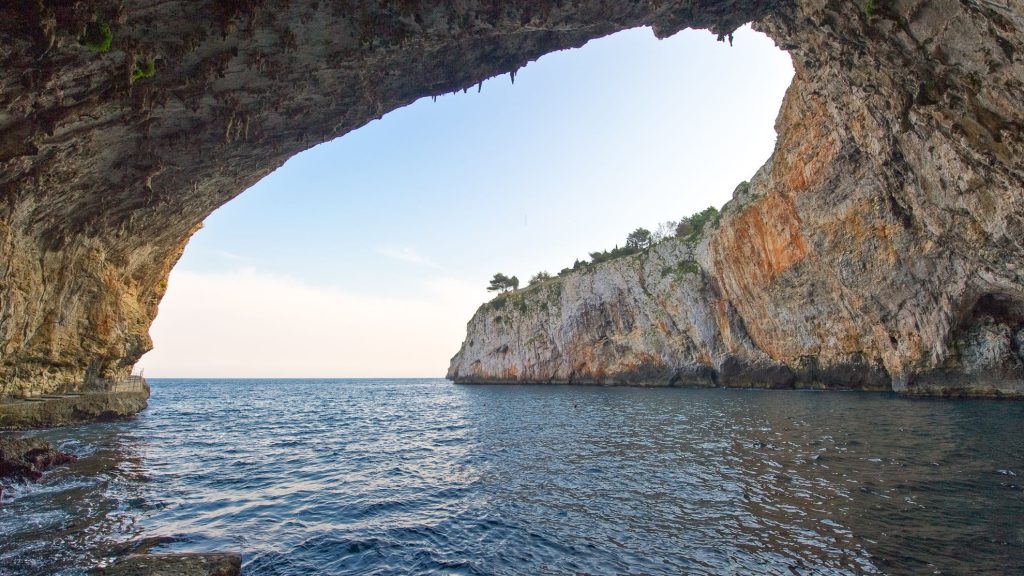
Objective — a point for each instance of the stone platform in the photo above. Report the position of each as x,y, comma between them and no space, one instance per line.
64,409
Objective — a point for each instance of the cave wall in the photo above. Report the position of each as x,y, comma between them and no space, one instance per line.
894,199
890,208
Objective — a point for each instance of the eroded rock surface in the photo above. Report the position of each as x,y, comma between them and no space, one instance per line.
882,241
71,409
879,247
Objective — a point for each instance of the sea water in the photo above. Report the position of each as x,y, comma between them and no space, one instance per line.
428,477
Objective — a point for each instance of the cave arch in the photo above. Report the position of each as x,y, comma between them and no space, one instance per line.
897,175
439,192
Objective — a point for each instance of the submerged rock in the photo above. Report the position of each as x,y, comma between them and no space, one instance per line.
27,459
202,564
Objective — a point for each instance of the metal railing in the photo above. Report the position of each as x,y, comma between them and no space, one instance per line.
133,383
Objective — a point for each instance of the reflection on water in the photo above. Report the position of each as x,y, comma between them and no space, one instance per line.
77,512
421,476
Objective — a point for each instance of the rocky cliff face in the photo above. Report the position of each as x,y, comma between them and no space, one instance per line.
652,318
879,247
882,239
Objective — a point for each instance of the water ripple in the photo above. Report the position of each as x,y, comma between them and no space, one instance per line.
424,477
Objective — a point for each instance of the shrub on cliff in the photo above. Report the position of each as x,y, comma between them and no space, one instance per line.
692,226
502,283
97,37
146,69
540,277
665,230
639,239
606,255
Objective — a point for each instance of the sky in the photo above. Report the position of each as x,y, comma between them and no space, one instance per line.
366,256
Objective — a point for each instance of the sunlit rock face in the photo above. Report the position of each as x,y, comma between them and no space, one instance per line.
881,243
880,247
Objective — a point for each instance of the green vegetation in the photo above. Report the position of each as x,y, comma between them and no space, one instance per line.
97,37
146,69
693,226
577,265
689,228
639,239
606,255
503,283
503,320
540,277
871,7
682,269
517,300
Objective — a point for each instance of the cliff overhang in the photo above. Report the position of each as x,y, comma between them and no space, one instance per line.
885,230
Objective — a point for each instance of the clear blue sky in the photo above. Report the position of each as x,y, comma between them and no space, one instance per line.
365,256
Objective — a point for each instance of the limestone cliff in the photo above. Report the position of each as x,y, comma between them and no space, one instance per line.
651,318
882,239
879,247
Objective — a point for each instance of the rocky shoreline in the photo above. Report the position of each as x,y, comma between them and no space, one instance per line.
69,409
26,459
977,393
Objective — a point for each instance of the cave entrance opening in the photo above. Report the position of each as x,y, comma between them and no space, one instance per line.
366,255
